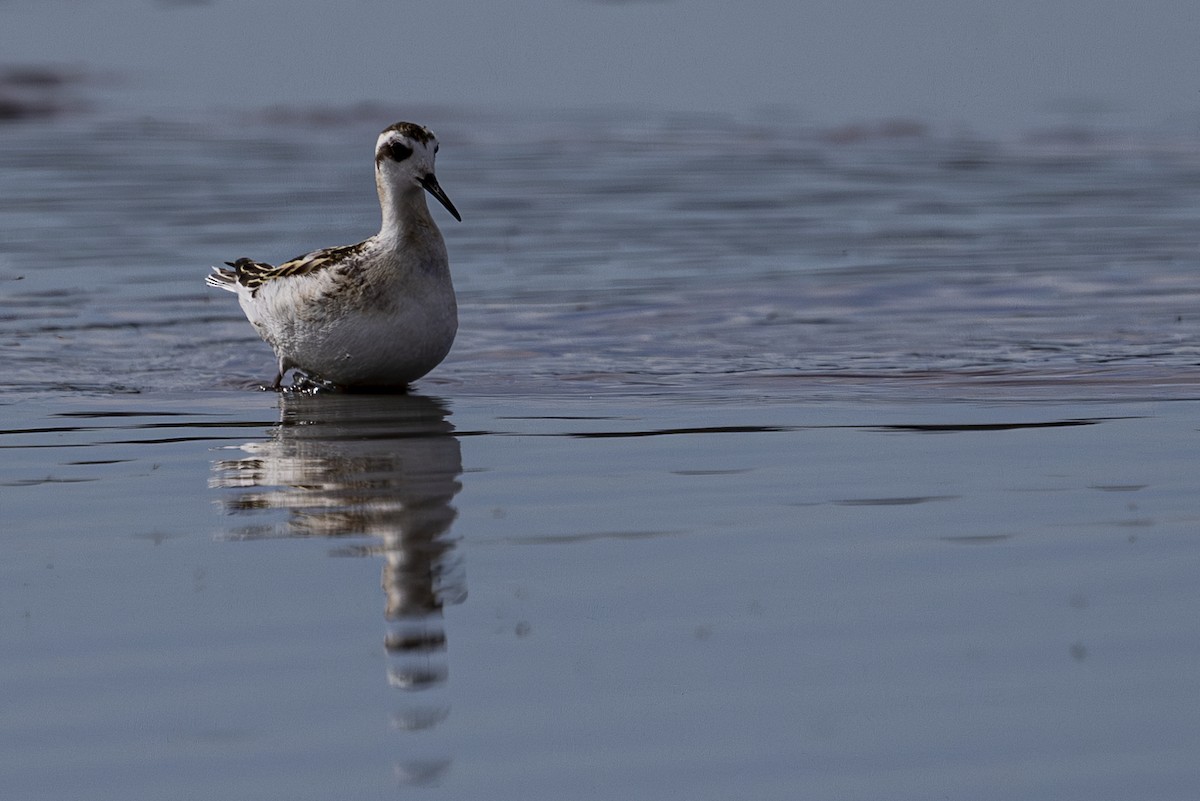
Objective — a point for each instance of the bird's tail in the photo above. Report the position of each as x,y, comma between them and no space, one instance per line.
223,279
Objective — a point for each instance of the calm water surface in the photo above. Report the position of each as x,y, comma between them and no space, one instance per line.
770,463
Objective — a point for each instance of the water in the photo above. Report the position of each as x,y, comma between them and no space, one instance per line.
771,462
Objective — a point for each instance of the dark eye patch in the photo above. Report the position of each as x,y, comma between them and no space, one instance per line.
398,151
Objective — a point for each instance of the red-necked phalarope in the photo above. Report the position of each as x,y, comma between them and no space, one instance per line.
380,313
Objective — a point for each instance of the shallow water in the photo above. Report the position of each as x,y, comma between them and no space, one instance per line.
841,467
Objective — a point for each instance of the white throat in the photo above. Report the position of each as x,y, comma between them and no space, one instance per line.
403,209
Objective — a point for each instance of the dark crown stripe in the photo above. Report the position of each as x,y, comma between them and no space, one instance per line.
413,131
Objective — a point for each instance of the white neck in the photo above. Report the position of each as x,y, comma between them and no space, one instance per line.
402,209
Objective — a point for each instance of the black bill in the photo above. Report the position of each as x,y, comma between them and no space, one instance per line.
430,183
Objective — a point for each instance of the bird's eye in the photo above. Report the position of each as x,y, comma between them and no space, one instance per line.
435,148
399,151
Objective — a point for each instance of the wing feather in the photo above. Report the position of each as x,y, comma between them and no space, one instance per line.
254,274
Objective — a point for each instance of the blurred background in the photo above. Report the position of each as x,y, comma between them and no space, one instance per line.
992,68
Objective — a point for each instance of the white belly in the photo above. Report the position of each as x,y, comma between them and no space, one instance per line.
382,342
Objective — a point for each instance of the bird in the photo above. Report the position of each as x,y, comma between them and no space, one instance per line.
379,314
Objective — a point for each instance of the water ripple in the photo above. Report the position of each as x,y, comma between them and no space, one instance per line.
816,266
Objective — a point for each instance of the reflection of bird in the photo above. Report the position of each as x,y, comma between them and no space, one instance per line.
380,313
379,472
